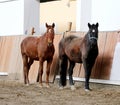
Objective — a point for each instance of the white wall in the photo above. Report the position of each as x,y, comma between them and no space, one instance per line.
115,71
85,14
105,12
31,16
78,15
19,16
11,17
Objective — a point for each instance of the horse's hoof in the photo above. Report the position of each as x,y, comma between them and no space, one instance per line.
61,87
87,90
27,84
40,85
73,87
47,86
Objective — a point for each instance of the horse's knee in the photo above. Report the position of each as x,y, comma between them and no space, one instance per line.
40,72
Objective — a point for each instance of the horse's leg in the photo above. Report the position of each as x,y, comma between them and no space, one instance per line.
25,69
63,71
88,68
38,77
70,71
49,62
40,72
30,63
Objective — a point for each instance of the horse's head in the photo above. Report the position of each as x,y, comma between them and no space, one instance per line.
50,33
93,31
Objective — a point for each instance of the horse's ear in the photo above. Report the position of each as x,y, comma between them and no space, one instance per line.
46,24
53,25
97,24
89,25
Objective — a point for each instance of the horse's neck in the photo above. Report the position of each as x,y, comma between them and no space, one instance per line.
91,44
87,39
44,37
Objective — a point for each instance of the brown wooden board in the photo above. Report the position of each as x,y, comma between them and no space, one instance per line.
111,41
5,52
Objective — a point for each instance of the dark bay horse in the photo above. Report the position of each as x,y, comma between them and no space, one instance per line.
41,49
78,50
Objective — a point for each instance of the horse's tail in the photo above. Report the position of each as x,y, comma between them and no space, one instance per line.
63,71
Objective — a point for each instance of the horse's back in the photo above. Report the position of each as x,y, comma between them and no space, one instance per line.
70,38
28,41
70,41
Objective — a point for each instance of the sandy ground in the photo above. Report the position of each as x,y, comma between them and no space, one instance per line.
16,93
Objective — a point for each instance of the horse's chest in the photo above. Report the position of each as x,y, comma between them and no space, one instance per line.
92,54
48,53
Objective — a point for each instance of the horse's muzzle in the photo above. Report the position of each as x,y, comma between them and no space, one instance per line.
50,42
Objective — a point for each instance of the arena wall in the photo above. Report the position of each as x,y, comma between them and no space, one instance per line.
11,60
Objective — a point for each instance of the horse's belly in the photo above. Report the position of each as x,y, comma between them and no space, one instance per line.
34,58
75,59
74,55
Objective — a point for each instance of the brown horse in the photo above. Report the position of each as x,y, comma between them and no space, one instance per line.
41,49
78,50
